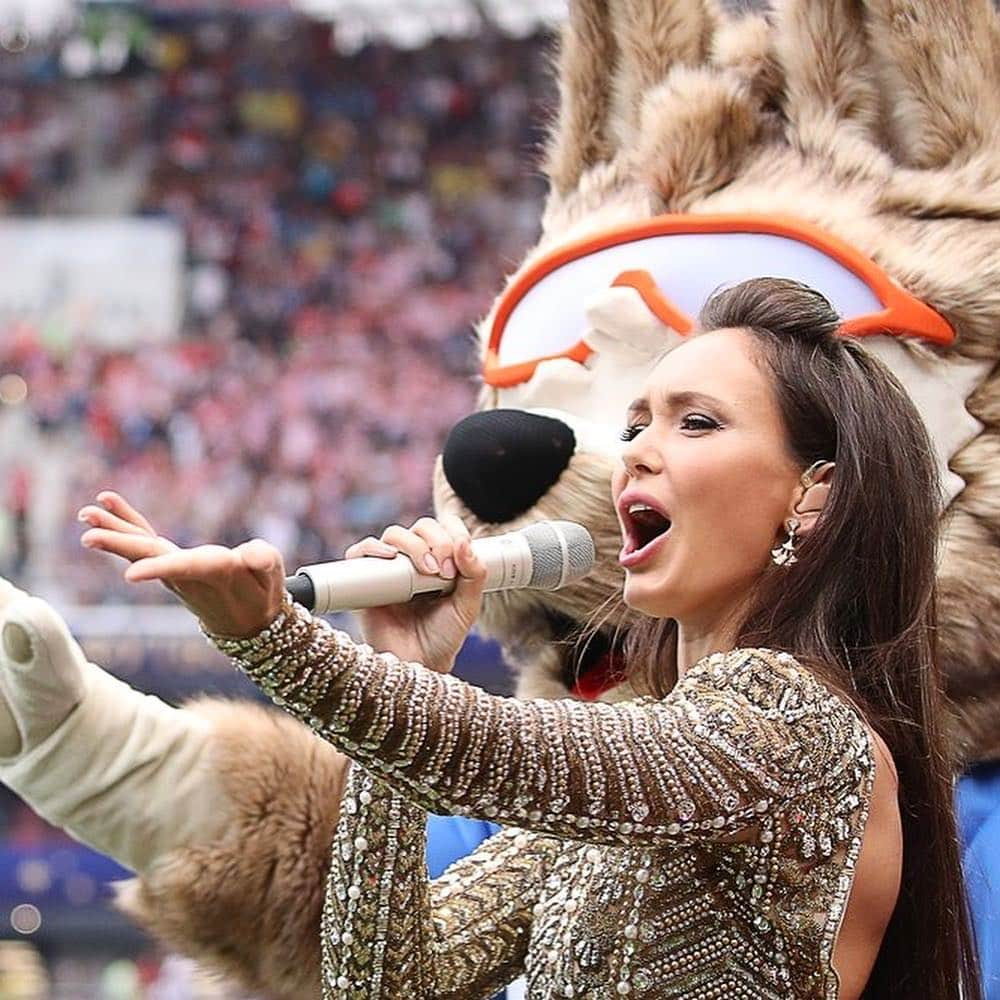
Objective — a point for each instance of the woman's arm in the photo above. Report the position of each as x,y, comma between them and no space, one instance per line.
388,933
740,737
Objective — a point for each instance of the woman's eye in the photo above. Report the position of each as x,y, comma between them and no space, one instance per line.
631,431
699,422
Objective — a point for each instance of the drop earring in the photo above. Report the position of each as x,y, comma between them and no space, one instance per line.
784,554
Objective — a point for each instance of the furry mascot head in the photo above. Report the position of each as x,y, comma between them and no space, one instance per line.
852,146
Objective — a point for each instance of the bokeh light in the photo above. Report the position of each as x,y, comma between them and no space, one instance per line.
25,918
13,389
34,875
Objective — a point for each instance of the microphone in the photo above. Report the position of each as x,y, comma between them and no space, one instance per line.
542,556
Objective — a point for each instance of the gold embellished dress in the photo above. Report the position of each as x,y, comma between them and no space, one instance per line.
698,846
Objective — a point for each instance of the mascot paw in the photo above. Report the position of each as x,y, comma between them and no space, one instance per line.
41,671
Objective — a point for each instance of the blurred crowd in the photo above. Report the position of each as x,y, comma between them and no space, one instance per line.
347,219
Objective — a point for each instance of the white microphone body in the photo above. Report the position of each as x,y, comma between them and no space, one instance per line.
545,556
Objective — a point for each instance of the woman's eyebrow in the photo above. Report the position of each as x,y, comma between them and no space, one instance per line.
670,401
676,400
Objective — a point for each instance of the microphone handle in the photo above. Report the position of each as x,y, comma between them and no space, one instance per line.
371,582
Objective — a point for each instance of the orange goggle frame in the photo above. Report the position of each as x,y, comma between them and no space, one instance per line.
676,262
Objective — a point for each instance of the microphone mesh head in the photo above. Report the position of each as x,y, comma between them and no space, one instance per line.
561,552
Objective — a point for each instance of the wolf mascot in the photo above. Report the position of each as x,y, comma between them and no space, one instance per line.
851,145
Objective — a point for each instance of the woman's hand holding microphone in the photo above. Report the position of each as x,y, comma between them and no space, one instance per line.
237,592
427,630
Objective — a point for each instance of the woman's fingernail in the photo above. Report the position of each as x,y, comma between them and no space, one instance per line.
448,570
82,515
431,564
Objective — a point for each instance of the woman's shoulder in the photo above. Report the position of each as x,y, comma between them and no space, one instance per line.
808,730
774,681
746,665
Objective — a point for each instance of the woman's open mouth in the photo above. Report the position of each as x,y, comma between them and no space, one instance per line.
645,528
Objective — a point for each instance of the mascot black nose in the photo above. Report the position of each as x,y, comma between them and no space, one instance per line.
502,462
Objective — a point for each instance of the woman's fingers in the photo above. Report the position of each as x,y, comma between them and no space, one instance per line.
459,535
455,527
430,544
206,563
125,544
440,543
98,517
120,507
371,546
469,565
233,592
471,582
411,544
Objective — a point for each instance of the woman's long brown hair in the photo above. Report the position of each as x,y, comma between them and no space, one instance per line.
858,606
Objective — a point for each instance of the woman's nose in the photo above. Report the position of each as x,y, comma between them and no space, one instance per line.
640,460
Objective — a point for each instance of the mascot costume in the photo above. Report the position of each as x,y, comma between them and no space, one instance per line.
851,145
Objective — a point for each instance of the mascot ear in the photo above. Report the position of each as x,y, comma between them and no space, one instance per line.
831,98
587,53
624,68
939,62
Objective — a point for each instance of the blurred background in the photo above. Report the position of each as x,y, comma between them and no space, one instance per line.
242,249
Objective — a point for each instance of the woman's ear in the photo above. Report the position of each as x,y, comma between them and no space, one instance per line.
812,494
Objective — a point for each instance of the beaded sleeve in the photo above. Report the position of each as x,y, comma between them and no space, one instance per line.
388,933
738,739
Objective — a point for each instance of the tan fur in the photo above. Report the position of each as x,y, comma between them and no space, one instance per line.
607,195
249,904
652,40
939,64
985,402
588,55
694,132
979,464
827,76
743,45
971,189
954,264
876,121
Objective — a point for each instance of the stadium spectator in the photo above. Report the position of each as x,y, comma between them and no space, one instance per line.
346,221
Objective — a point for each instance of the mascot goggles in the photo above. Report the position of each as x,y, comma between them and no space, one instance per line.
676,262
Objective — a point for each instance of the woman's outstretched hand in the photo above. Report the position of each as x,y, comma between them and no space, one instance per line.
237,592
234,592
428,630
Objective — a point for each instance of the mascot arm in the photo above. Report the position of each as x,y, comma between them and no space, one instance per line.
388,933
225,811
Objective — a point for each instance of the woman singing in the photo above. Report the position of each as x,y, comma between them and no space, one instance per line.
771,818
